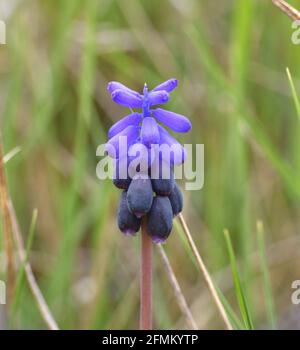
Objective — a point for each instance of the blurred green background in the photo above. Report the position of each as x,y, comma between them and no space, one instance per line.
230,58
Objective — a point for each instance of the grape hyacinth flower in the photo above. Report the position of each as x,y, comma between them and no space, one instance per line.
149,193
151,198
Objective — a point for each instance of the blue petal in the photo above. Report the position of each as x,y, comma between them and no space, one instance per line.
149,132
130,135
138,151
115,85
174,121
158,97
131,119
127,99
177,153
168,85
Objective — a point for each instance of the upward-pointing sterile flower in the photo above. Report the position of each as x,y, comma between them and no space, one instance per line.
143,126
142,129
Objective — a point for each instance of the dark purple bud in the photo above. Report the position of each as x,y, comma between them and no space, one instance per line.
128,223
121,178
174,121
122,184
176,200
168,85
131,119
140,195
158,97
163,187
127,99
149,132
160,219
162,178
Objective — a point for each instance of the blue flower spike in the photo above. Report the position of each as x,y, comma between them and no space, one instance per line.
146,193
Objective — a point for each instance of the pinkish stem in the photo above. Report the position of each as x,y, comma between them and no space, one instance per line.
146,280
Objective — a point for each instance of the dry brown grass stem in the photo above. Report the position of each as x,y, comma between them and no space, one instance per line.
38,296
7,229
177,290
205,273
13,234
287,9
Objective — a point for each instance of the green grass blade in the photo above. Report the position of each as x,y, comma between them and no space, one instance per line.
294,92
253,124
238,147
21,274
233,318
265,276
242,300
72,227
51,84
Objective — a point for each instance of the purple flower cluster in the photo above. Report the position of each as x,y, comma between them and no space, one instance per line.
149,192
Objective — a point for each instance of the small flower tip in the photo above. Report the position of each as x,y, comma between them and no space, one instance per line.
145,90
174,82
158,239
129,233
112,86
167,86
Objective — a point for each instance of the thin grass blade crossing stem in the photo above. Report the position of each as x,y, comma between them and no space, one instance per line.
205,272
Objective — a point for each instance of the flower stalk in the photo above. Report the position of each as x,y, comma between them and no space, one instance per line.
146,280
